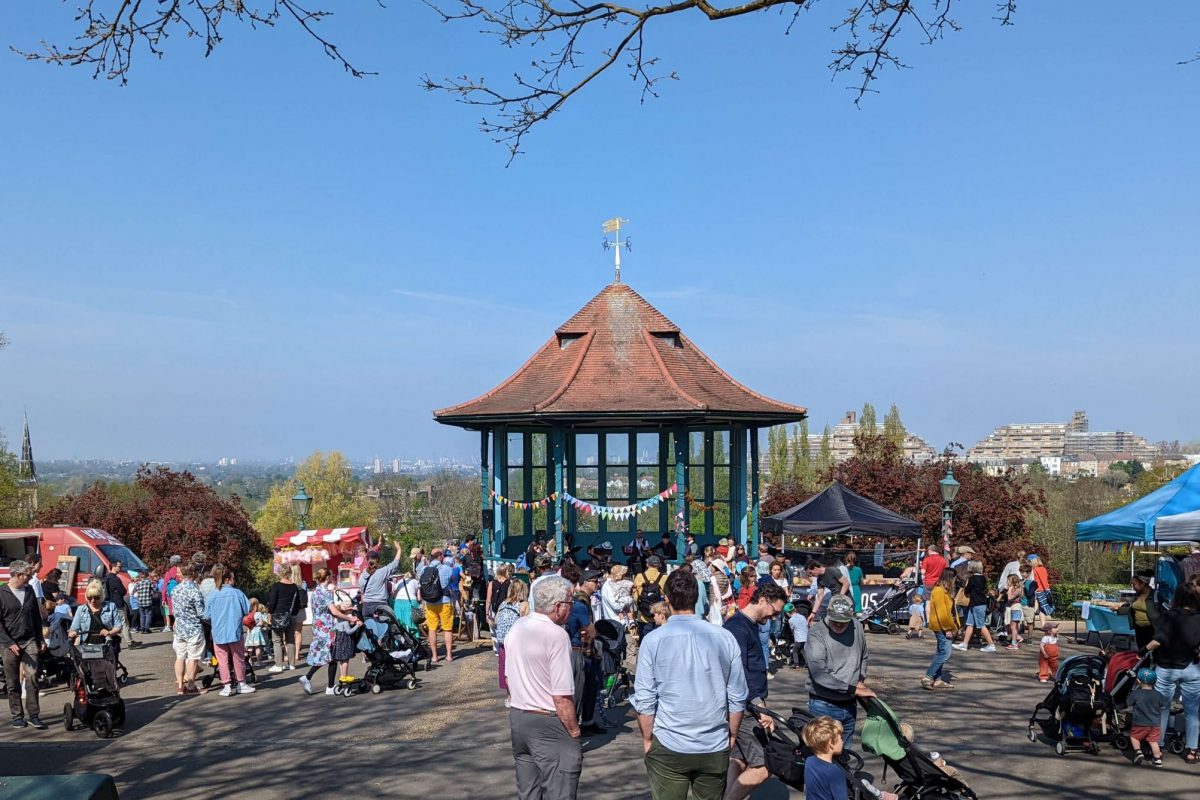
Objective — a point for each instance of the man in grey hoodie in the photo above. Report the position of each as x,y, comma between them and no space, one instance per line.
837,665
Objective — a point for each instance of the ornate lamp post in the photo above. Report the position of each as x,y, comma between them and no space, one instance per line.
949,488
301,502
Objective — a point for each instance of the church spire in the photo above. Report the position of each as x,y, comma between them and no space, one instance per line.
27,472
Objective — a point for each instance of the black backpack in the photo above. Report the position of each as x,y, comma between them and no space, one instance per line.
651,594
431,585
473,566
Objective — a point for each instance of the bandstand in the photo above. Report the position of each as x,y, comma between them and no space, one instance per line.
618,422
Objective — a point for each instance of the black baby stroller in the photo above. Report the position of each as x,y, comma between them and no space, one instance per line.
54,663
392,653
96,698
920,776
616,682
785,755
1075,707
889,614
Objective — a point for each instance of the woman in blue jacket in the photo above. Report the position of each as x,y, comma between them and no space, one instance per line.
224,608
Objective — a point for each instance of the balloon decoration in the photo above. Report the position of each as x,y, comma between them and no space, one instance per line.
304,555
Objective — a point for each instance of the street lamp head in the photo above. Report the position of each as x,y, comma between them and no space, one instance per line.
949,487
301,503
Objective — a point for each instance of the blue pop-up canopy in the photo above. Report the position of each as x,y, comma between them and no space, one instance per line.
1136,521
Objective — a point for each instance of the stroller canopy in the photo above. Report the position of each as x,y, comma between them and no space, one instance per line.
881,732
837,511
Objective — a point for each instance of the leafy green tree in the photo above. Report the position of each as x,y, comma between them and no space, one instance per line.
778,464
802,466
893,428
1037,468
338,500
1133,468
824,465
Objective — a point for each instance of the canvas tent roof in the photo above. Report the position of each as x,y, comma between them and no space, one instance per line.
1179,526
1137,521
837,511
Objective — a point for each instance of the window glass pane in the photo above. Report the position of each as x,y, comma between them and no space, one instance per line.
647,448
539,484
721,519
647,520
720,447
587,483
516,449
695,483
647,482
539,452
670,449
515,521
586,449
616,448
696,447
617,483
540,516
516,484
586,523
720,489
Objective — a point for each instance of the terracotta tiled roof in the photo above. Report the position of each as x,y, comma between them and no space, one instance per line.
618,358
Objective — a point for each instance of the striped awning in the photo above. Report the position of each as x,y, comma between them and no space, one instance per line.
323,536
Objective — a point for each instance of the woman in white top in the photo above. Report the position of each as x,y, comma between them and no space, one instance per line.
616,596
406,598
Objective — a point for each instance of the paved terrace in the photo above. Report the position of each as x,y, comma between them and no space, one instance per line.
449,739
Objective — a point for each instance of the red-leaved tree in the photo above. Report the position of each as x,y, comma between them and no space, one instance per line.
164,513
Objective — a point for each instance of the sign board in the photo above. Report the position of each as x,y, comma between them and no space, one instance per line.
69,566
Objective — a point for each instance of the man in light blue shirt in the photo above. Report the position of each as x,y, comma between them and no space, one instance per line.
687,741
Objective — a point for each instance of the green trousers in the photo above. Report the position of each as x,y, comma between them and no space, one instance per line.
673,774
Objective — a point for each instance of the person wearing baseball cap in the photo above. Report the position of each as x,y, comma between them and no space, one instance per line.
836,653
581,630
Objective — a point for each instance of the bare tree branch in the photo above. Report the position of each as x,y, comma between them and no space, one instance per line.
110,38
576,42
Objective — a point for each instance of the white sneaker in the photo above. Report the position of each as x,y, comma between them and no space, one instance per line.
227,691
329,691
275,668
291,667
991,648
245,688
958,646
306,683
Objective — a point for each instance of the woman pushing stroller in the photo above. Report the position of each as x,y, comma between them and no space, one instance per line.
98,622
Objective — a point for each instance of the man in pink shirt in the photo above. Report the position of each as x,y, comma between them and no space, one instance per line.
541,687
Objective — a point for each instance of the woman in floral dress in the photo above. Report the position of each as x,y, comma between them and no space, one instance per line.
320,650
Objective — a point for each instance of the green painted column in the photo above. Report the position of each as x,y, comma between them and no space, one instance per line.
681,507
558,453
485,500
738,523
752,546
500,482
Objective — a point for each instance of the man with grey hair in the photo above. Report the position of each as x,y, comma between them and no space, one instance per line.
20,642
541,686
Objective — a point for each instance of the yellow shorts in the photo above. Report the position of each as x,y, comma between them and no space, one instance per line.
439,616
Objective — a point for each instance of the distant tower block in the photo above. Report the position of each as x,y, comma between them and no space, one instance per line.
1079,422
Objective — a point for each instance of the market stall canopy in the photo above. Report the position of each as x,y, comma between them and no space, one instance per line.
1137,522
323,536
1179,526
837,511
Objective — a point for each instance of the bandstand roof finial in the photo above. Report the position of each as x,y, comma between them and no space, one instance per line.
614,226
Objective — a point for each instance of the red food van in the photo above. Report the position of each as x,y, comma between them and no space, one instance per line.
63,545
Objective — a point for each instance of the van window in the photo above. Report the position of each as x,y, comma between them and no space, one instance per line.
87,560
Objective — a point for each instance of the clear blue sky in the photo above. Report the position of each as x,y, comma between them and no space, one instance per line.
256,255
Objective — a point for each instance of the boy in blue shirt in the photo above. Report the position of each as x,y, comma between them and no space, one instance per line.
824,780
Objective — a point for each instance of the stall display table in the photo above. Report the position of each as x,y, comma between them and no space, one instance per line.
91,786
1102,619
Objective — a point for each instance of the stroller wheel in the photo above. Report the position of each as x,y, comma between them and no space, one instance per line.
1122,742
1060,748
337,690
1176,747
376,688
1032,734
893,629
69,717
123,679
411,683
102,724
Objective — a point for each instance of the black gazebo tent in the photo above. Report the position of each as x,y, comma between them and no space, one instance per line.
837,511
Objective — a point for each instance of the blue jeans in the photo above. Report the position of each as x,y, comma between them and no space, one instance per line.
940,657
147,614
764,638
1187,681
847,715
977,617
